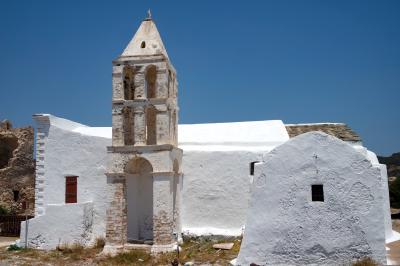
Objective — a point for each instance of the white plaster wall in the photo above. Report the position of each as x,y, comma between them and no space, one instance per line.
215,191
214,188
371,156
72,153
234,136
283,225
62,224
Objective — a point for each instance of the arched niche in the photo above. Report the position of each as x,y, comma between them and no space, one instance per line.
151,81
139,193
129,83
128,126
176,167
151,125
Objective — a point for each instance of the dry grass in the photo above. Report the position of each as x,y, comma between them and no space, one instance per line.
365,262
134,257
100,242
73,254
198,250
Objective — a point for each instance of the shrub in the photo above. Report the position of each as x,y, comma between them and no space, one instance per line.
4,210
100,242
13,247
365,262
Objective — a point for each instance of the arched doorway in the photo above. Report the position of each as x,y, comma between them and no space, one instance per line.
139,195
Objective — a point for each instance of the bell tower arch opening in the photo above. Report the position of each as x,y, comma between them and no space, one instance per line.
151,81
151,126
129,83
128,126
139,193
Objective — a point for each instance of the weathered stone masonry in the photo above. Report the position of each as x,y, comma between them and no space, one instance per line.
17,169
144,146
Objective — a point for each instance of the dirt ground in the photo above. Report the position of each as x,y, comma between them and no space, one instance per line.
6,241
200,252
394,253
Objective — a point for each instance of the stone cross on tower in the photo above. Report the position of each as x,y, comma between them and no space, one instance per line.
145,161
149,14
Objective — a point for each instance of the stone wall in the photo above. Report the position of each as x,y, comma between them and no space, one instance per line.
17,169
144,102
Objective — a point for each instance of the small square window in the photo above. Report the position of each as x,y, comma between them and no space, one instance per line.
317,192
252,167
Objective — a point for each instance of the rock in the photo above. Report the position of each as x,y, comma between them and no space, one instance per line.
233,262
189,263
17,169
226,246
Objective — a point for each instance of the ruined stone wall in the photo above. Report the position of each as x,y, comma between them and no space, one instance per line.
17,169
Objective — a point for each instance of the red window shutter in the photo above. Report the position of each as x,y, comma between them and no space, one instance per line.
71,189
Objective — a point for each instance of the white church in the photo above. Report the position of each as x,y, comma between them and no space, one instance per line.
312,190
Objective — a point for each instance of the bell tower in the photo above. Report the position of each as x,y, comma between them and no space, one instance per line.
143,175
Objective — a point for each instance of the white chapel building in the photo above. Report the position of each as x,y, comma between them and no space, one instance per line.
146,181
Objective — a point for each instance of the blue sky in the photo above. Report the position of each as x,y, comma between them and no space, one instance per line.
299,61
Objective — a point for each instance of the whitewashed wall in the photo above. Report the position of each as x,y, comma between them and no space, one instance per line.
214,187
390,236
284,226
61,225
67,152
216,172
215,191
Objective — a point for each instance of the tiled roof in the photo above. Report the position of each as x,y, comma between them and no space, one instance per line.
341,131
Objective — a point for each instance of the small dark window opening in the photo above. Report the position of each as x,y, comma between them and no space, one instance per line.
317,192
252,167
143,44
16,195
71,188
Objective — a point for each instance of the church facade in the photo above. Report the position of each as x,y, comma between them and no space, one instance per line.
146,181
